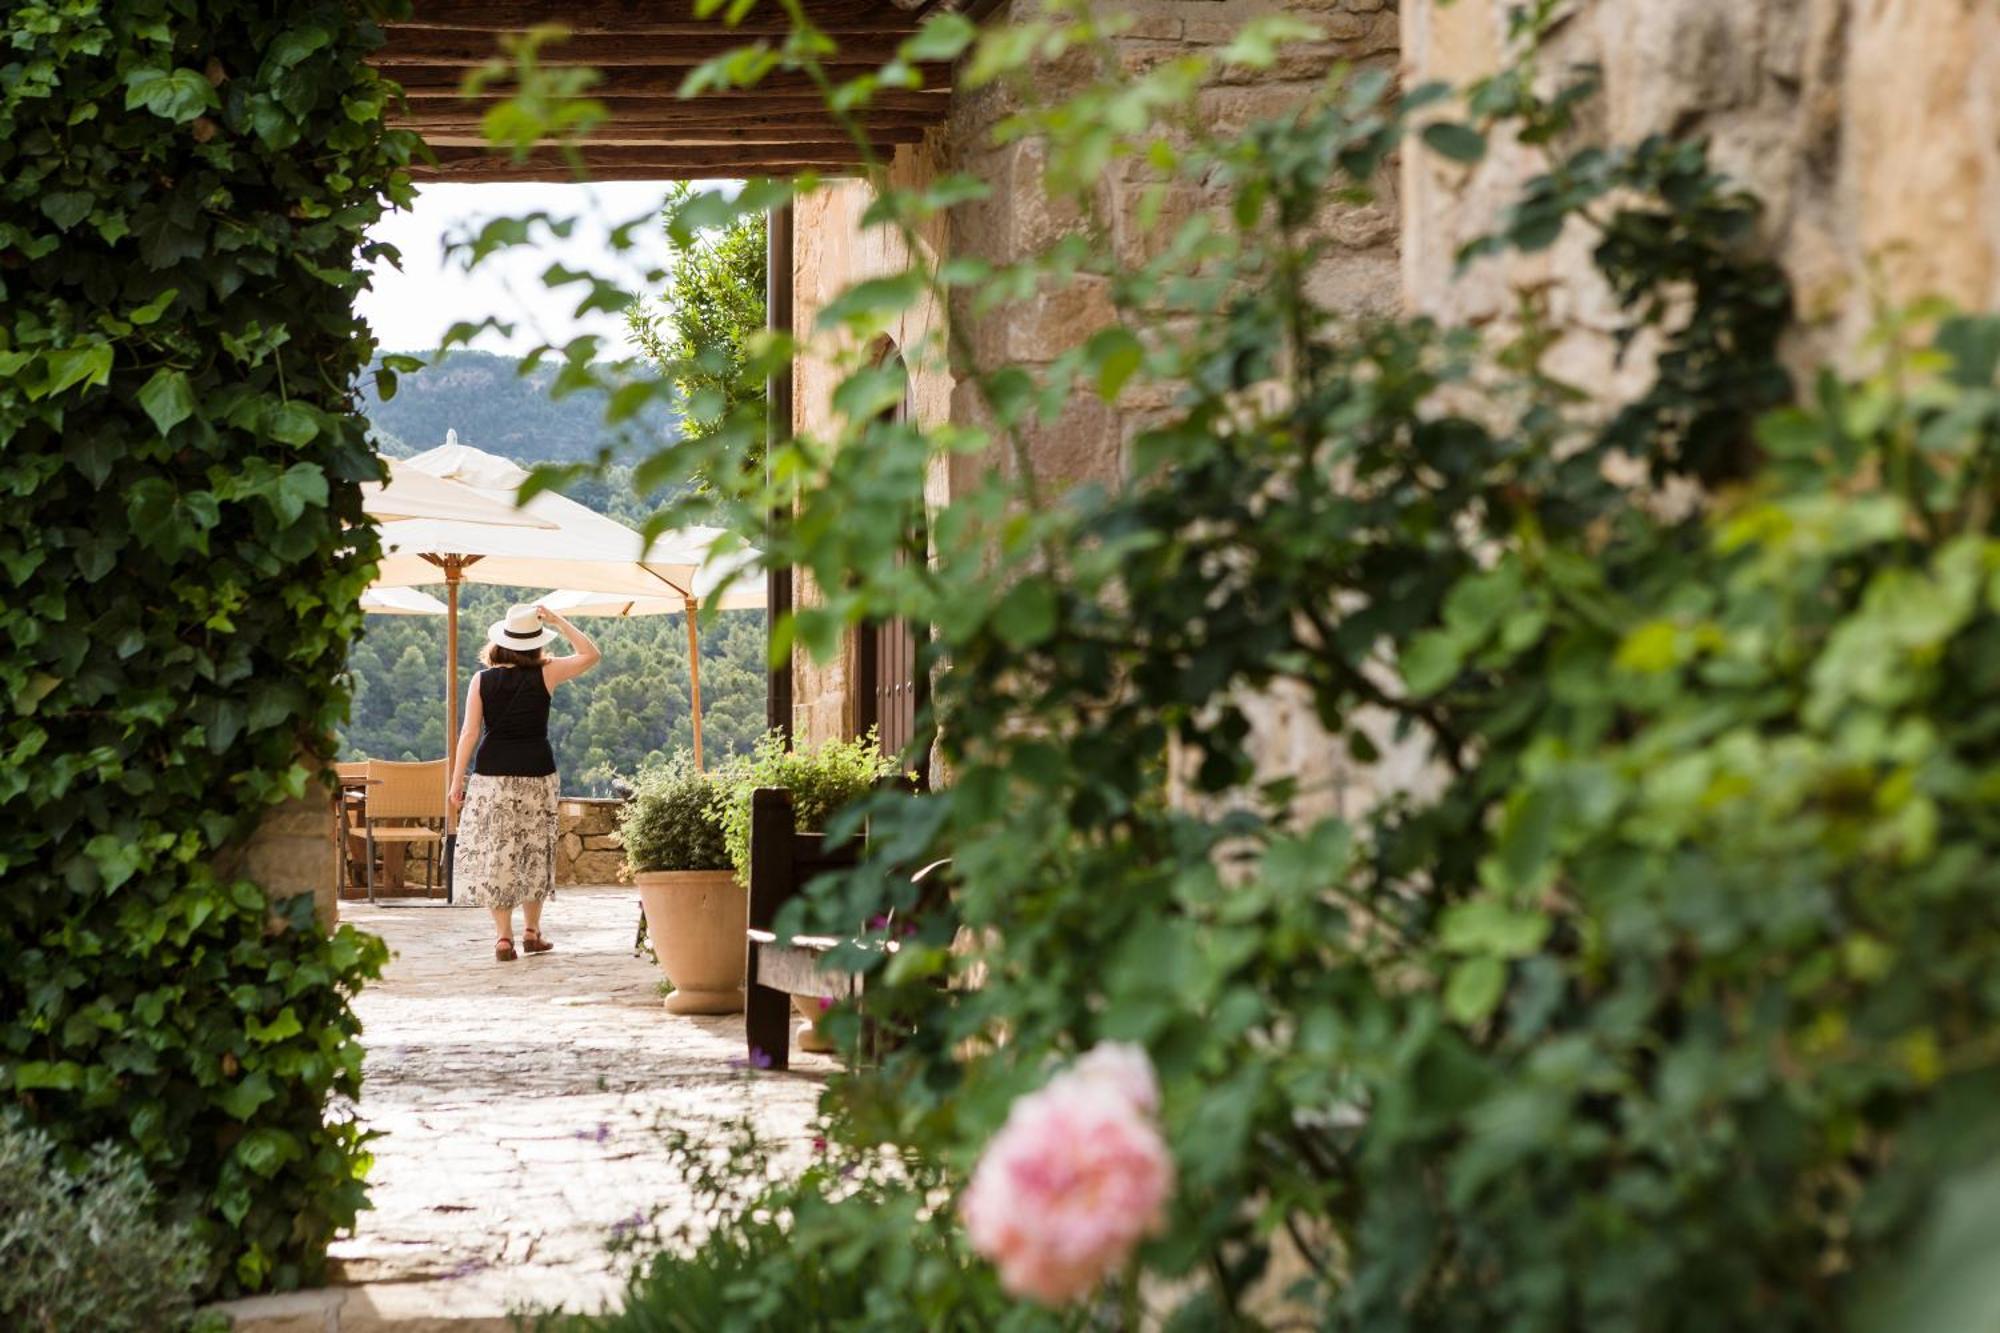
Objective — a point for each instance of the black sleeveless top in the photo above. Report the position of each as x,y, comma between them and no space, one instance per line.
515,701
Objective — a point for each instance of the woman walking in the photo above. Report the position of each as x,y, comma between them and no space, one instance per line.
506,854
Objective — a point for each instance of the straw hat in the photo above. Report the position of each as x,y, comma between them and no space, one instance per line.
522,630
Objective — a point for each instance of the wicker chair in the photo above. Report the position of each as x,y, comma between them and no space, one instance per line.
405,792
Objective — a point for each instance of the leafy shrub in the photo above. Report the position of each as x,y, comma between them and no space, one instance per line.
823,780
184,192
84,1251
1661,996
771,1245
671,822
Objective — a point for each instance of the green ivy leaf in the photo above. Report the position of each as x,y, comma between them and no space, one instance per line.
58,1075
168,399
243,1097
179,95
66,208
294,423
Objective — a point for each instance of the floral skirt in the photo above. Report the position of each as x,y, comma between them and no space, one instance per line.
506,841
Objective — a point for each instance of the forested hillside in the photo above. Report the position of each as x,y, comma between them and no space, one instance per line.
491,405
635,705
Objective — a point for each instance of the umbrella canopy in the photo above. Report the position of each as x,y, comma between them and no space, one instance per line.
401,602
575,545
746,593
412,493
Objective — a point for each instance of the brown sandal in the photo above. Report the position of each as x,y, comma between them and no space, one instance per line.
532,941
503,950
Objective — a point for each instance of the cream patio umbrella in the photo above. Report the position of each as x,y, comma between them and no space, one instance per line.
744,594
401,602
578,548
411,493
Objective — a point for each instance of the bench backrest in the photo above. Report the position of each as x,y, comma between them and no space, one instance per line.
782,859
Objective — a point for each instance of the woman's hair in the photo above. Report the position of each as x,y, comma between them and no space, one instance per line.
494,655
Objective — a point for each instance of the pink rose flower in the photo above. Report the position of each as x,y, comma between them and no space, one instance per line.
1074,1181
1124,1067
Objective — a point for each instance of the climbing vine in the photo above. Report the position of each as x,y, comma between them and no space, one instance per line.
1624,959
184,194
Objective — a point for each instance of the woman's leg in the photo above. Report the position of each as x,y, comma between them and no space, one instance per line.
531,916
503,923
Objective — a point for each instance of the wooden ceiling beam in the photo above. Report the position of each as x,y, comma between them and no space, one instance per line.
670,116
611,158
429,82
658,169
647,17
717,137
415,48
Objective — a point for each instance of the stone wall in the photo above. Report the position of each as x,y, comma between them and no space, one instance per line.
588,847
833,252
1870,129
1089,442
291,853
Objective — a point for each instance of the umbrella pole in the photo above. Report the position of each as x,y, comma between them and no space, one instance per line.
452,573
694,680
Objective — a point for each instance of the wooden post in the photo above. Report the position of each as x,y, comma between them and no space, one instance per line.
694,680
778,428
453,572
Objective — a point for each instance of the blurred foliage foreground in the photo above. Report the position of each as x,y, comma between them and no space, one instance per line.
1663,998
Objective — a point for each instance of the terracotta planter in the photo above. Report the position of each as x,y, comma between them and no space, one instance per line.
695,921
809,1037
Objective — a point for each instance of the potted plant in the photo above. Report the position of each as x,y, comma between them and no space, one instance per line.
695,909
821,778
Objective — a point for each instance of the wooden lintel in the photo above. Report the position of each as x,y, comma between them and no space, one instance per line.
434,81
670,109
664,170
808,139
417,47
658,17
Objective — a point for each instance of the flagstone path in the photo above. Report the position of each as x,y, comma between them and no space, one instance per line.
518,1104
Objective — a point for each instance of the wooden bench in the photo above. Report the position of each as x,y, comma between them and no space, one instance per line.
782,862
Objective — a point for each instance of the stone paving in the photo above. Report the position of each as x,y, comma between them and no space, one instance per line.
517,1103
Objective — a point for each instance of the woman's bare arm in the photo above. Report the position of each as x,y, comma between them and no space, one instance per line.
583,659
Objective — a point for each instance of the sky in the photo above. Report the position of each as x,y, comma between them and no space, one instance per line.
411,309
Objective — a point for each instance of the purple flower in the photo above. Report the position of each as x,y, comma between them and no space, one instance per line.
758,1060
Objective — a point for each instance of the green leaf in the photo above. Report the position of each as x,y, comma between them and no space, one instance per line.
1474,989
943,36
243,1097
1431,662
1460,143
71,366
179,95
1117,354
59,1075
167,398
151,311
1484,926
281,1028
1527,837
294,423
1026,613
66,208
